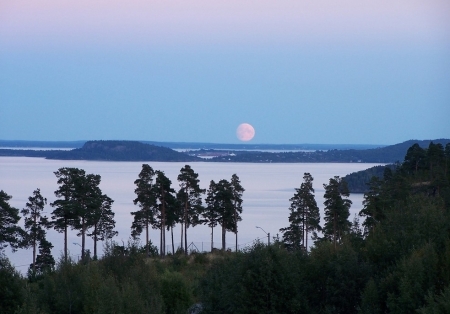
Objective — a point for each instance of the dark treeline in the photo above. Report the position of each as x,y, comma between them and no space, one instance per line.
396,261
138,151
387,154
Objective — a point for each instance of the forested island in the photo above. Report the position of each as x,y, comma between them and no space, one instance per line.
396,261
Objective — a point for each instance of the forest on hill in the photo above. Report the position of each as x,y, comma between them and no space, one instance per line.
108,151
397,260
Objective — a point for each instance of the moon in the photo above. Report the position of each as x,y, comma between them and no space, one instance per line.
245,132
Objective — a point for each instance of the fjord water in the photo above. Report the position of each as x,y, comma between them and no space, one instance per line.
268,188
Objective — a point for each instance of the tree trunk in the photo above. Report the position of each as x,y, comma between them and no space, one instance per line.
223,237
212,238
34,256
146,239
173,245
185,239
65,242
83,230
95,242
182,238
34,248
185,226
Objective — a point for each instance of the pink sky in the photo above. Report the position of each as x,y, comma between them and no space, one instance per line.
56,23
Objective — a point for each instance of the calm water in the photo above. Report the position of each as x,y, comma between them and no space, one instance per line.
266,199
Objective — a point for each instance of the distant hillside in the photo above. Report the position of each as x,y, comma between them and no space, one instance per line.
387,154
357,181
108,150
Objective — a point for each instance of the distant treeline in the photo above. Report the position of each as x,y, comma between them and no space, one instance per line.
138,151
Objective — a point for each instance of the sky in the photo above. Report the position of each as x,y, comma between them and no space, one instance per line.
315,71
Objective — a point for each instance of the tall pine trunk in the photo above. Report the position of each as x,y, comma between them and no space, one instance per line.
146,238
173,245
95,242
65,243
83,239
212,238
182,238
223,237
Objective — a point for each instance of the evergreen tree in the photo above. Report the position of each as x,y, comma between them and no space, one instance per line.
225,207
211,213
190,195
373,209
87,198
64,213
415,159
304,216
163,193
10,232
44,260
35,224
336,210
145,217
101,219
237,191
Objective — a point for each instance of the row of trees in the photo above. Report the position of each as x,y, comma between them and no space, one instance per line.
161,207
304,214
81,206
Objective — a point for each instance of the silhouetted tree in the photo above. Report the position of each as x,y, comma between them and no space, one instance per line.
304,216
237,191
64,213
336,210
35,224
164,196
10,232
145,217
211,213
101,219
190,195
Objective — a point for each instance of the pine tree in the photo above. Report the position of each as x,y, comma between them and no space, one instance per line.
35,224
163,193
10,232
374,206
44,261
64,214
190,196
146,199
337,210
304,216
101,220
237,191
211,213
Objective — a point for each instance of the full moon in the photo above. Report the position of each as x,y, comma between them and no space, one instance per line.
245,132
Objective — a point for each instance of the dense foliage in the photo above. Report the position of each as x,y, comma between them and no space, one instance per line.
397,262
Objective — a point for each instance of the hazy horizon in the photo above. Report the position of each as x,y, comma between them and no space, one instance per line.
298,71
